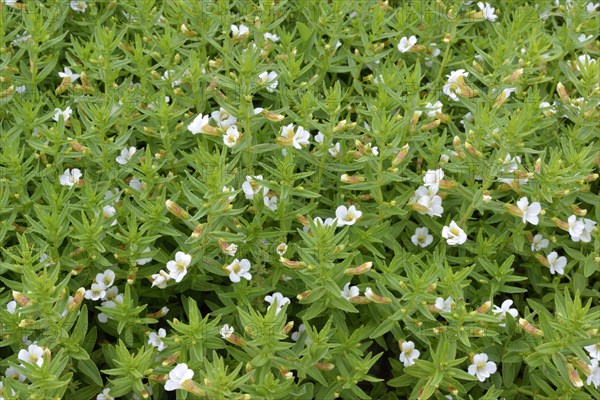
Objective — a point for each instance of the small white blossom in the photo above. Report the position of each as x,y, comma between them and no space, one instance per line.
66,114
281,249
530,211
481,367
160,280
594,376
583,38
576,227
350,291
299,136
126,155
270,80
33,355
539,242
251,187
106,279
11,307
488,11
270,202
69,74
434,109
105,395
556,263
406,44
136,184
452,88
178,267
276,298
271,37
156,339
178,376
586,233
591,7
444,305
593,350
422,237
199,124
108,212
433,177
12,373
454,234
547,108
229,190
231,136
409,354
239,269
70,177
239,32
79,6
226,331
503,309
96,293
347,216
143,261
585,61
223,118
296,335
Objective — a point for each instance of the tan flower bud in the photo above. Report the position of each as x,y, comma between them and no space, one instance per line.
472,150
235,339
580,212
158,314
351,179
560,224
361,269
375,298
447,38
562,92
514,76
21,299
432,125
401,155
186,31
590,178
574,376
484,307
528,327
77,299
176,210
325,366
359,300
288,327
198,231
365,197
304,295
193,388
271,116
292,264
171,359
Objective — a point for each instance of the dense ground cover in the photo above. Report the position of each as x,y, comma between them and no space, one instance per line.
299,199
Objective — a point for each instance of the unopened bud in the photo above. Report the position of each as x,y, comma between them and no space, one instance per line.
560,224
351,179
401,155
477,67
26,323
193,388
171,359
198,231
414,120
302,219
186,31
472,150
77,299
325,366
484,307
375,298
176,210
8,91
361,269
304,295
432,125
527,326
359,300
447,38
20,298
514,76
574,376
288,328
292,264
158,314
590,178
562,92
271,116
445,184
235,339
580,212
365,197
286,373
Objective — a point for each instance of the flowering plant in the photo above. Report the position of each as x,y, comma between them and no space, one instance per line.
299,199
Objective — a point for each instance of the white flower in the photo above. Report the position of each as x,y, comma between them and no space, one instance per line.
251,187
454,234
78,6
178,375
373,150
427,197
281,249
505,308
296,335
231,136
112,195
350,291
143,261
11,307
530,212
229,190
433,177
347,216
136,184
223,118
239,269
586,233
335,149
576,227
591,7
539,242
452,88
106,279
270,202
69,74
434,109
231,249
594,375
488,11
583,38
96,293
199,124
594,350
20,39
409,354
422,237
21,89
548,109
226,331
112,293
156,339
12,373
585,60
444,305
70,177
319,137
108,212
271,37
510,166
406,44
270,80
239,32
9,3
126,155
105,395
33,355
276,298
178,267
66,114
160,280
299,137
481,367
556,263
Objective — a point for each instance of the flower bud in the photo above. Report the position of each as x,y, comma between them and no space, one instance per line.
20,298
477,67
401,155
325,366
288,327
514,76
8,91
26,323
302,219
432,125
77,299
444,184
286,373
472,150
304,295
236,340
186,31
198,231
193,388
590,178
414,120
158,314
271,116
574,376
359,300
375,298
171,359
560,224
365,197
582,365
226,248
484,307
447,38
361,269
351,179
176,210
562,92
527,326
580,212
292,264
